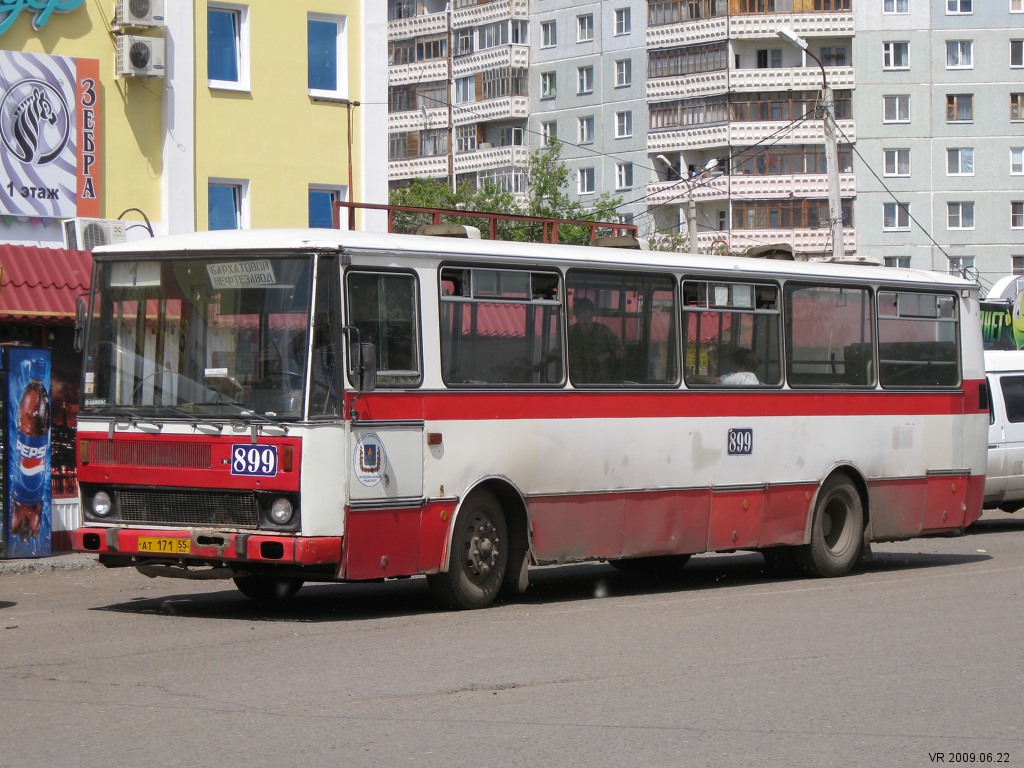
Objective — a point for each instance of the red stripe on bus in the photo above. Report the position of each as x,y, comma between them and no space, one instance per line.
575,404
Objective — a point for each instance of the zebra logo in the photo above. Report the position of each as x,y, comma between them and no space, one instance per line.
34,122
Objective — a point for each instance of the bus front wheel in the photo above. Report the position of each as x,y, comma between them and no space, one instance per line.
479,555
836,531
267,589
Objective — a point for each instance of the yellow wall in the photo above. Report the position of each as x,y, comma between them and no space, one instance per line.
131,110
274,135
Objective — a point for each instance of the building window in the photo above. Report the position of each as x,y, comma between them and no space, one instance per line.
585,134
492,35
227,47
623,124
584,80
833,55
511,137
585,183
896,6
960,215
960,161
623,175
548,34
463,42
896,55
901,262
1018,265
623,73
896,109
547,85
897,162
623,24
959,6
401,9
1017,214
1017,53
959,54
895,216
226,203
549,131
1016,6
321,206
327,55
962,266
1016,107
585,28
465,138
1017,161
959,108
769,58
465,90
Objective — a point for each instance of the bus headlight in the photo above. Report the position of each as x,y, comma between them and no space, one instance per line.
101,505
281,511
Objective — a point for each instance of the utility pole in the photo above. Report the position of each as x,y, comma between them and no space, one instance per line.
835,200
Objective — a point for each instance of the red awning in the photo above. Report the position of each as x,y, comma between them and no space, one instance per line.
41,285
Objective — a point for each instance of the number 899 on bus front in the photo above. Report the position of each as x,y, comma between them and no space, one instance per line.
257,460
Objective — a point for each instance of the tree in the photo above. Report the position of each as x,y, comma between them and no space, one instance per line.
546,196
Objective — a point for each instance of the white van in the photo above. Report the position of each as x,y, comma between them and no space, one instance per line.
1004,483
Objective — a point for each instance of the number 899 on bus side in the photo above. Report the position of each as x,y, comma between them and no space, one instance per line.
741,442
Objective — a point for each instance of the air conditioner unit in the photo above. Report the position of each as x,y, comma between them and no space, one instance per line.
86,234
140,56
139,13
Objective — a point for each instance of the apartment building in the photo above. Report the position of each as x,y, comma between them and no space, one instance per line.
699,111
940,111
587,92
458,91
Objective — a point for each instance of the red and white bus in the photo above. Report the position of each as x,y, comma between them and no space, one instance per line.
287,406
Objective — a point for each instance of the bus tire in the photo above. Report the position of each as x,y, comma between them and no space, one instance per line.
479,556
268,589
836,530
658,565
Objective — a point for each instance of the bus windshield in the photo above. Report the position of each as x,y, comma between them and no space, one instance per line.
199,337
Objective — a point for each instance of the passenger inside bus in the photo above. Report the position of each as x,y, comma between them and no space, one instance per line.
740,369
595,352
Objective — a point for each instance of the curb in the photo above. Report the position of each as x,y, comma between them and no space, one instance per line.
64,562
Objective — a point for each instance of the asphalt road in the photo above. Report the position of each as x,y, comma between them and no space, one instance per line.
914,657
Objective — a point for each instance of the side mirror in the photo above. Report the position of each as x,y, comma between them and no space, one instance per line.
364,366
80,311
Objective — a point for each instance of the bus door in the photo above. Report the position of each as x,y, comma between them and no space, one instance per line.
386,443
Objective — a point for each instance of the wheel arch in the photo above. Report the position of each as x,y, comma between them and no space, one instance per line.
859,482
513,504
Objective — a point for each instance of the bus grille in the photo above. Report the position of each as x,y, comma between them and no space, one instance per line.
190,455
165,507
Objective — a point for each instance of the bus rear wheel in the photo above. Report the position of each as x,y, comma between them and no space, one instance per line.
836,532
268,589
479,555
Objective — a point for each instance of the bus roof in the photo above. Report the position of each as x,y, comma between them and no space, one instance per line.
999,361
271,240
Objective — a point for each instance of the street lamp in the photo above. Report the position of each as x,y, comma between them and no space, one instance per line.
835,200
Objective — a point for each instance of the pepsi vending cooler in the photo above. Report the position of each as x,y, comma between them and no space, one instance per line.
25,488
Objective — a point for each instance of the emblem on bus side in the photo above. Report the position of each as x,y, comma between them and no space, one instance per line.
369,460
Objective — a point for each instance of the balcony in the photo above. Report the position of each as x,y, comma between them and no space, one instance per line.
807,243
790,79
435,166
418,72
413,120
487,11
425,24
743,134
502,57
688,86
484,158
688,32
749,187
806,24
502,108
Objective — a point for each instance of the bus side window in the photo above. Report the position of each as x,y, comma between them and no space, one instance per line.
383,310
